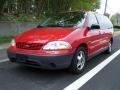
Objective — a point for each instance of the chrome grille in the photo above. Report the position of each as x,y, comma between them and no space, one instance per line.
29,46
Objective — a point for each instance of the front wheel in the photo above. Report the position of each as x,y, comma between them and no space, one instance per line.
79,61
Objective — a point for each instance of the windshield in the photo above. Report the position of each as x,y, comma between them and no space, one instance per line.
71,19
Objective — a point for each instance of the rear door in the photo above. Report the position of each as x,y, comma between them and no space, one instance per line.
105,29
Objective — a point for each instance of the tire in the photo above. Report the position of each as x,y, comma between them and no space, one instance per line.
79,61
109,50
12,59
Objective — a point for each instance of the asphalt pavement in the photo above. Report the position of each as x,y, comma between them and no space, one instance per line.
16,77
106,79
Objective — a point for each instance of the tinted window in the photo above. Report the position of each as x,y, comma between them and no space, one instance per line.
92,20
104,22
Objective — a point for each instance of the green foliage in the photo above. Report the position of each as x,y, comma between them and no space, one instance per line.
2,5
117,29
5,39
116,19
115,16
85,4
25,10
74,5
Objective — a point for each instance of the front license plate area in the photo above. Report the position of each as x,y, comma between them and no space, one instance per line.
21,57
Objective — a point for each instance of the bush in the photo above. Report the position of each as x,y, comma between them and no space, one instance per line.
117,27
6,39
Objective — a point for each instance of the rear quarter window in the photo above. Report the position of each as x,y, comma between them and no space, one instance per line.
104,22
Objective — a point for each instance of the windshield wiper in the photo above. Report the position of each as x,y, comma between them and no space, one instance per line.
50,25
54,25
40,26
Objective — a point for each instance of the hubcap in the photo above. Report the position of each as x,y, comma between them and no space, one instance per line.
80,60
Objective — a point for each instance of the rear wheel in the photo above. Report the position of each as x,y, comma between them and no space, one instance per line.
79,61
109,50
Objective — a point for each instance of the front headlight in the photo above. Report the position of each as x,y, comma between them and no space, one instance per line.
13,43
57,45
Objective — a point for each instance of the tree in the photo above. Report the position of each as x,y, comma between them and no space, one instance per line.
74,5
2,5
40,7
85,5
116,19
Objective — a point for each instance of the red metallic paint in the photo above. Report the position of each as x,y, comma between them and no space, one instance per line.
93,39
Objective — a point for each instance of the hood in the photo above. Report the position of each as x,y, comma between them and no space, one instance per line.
43,35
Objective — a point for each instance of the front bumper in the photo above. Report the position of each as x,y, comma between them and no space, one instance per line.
41,61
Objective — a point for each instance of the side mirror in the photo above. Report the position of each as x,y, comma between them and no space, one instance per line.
95,26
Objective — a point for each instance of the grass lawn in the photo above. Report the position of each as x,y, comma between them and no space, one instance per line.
5,39
117,29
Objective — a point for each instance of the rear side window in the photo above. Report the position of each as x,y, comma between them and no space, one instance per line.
92,20
104,22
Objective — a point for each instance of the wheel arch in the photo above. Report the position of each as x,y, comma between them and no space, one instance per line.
85,46
111,40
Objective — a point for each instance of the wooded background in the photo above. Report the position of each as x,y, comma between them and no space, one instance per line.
11,10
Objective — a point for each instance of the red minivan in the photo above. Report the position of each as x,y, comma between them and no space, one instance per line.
65,40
